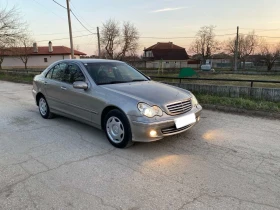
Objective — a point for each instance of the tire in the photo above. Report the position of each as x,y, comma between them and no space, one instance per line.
117,129
44,109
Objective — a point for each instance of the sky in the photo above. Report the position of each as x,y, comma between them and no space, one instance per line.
164,20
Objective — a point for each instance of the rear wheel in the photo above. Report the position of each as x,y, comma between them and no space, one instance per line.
44,108
117,129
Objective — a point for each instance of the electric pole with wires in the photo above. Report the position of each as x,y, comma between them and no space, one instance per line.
98,39
236,50
70,30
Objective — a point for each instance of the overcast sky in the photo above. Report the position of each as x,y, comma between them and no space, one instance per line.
153,18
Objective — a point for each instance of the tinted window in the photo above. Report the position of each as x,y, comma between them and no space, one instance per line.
58,71
74,74
49,74
113,72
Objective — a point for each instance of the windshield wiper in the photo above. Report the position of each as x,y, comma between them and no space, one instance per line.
138,80
112,82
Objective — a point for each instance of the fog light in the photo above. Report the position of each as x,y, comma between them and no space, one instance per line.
153,133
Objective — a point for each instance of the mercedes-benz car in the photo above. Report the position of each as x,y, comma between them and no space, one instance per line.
113,96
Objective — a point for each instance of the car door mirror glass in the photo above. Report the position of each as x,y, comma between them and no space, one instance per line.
80,85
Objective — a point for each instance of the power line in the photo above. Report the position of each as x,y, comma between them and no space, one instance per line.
59,4
58,33
49,10
74,16
73,7
81,22
272,37
65,38
182,37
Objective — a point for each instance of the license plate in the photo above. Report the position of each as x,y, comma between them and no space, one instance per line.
184,121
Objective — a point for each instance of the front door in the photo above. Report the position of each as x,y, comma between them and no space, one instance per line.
78,101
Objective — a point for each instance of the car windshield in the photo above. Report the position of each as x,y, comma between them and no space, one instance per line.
113,72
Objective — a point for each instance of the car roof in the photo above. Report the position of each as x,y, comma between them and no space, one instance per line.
92,60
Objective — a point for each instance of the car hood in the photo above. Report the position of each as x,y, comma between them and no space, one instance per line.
151,92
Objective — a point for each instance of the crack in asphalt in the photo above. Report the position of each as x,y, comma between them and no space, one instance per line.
225,196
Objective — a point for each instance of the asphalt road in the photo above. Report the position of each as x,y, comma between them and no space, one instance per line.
225,162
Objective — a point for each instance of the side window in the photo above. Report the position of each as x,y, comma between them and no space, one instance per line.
49,74
74,74
58,71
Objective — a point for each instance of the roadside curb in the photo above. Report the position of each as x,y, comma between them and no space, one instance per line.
254,113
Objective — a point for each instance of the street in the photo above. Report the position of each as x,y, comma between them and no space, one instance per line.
225,162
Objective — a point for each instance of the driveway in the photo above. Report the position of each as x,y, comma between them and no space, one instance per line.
225,162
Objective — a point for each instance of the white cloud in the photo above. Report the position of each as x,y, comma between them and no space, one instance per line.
168,9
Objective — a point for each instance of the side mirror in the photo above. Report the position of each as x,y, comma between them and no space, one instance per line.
80,85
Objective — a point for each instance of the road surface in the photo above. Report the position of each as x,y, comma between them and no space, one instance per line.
225,162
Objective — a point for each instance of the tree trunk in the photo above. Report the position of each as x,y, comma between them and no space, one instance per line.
269,66
25,65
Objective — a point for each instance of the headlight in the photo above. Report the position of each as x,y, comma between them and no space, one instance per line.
194,100
149,111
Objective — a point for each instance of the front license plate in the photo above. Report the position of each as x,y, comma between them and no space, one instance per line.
184,121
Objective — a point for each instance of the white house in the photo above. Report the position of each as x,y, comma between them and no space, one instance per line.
39,57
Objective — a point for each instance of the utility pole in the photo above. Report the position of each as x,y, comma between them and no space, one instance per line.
70,30
236,49
98,38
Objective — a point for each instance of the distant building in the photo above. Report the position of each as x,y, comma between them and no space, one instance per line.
39,57
166,54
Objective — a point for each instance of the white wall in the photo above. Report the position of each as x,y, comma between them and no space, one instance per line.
36,61
167,64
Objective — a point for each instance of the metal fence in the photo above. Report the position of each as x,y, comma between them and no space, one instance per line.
250,81
22,71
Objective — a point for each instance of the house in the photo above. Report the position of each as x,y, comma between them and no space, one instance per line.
221,60
38,57
165,55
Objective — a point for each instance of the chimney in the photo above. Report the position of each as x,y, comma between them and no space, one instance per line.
35,47
50,46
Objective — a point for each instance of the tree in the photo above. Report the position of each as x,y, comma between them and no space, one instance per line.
269,54
246,46
205,44
11,29
119,41
128,41
23,49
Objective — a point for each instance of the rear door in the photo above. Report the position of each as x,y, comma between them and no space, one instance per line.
54,87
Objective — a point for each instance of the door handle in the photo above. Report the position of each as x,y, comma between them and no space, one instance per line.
63,88
45,82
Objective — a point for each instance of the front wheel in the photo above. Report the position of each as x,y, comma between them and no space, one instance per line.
44,108
117,129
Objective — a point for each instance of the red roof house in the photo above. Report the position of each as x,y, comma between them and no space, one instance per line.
165,51
38,56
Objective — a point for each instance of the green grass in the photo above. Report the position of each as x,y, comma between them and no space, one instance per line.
21,78
242,103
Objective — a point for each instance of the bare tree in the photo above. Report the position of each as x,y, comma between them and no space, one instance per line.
110,33
11,29
129,40
205,43
23,49
119,41
247,44
269,54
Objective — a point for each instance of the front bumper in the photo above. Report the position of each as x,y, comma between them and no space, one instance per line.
164,126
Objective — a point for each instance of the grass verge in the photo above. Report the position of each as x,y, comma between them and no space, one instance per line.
241,103
20,78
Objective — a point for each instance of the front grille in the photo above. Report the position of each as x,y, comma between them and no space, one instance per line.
173,129
179,107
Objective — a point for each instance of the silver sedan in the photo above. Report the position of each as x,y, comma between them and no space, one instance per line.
115,97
